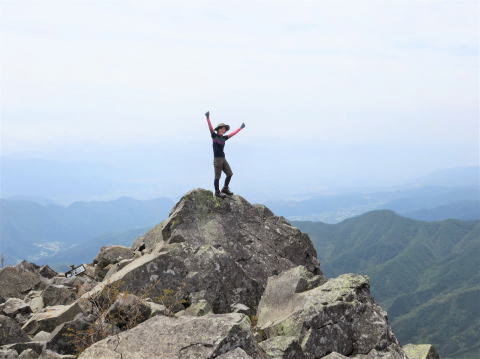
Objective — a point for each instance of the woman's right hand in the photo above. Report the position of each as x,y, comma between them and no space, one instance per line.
207,114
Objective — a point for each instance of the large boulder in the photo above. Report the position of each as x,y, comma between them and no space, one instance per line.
208,336
223,248
338,315
11,332
17,281
50,317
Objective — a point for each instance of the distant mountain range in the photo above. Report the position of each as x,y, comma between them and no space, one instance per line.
84,252
32,231
426,274
34,228
424,202
466,210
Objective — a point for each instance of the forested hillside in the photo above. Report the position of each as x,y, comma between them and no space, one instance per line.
424,273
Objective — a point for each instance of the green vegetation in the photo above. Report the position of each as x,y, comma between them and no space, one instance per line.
425,274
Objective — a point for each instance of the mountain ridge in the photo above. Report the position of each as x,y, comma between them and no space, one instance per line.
411,263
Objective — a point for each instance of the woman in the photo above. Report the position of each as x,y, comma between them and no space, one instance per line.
219,161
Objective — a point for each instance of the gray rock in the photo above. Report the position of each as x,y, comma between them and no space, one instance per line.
16,281
8,354
34,300
114,268
107,257
340,315
60,340
334,355
37,347
47,272
10,331
41,336
393,353
22,318
225,248
236,353
50,317
282,347
127,310
421,351
198,309
72,282
241,308
185,337
36,304
28,266
49,354
155,308
58,294
28,354
13,306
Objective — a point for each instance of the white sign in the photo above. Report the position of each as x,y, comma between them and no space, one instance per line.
75,271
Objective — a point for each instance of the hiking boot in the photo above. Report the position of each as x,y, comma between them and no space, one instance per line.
220,194
226,190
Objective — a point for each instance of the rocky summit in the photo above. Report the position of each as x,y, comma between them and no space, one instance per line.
219,278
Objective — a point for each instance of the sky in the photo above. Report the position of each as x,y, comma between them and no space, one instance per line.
331,92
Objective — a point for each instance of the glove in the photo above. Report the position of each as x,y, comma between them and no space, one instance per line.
207,114
243,125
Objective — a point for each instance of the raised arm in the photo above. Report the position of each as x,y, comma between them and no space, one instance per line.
207,115
233,133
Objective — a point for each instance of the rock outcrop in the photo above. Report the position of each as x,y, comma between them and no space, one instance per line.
219,278
221,251
337,315
208,336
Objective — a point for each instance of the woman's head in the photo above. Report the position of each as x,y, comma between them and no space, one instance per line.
222,128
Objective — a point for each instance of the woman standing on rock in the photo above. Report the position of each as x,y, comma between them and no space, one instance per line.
219,161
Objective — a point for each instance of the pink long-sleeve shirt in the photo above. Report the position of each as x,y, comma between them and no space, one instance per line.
219,141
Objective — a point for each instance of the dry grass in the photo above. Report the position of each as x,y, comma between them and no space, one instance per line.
104,323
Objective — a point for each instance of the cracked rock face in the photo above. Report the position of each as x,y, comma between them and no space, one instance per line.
336,316
222,249
184,337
